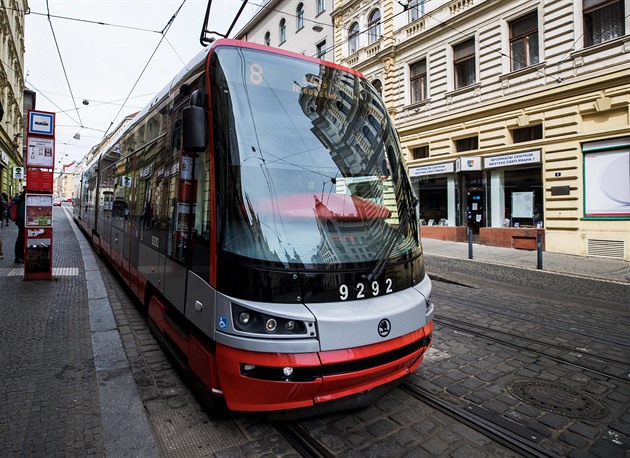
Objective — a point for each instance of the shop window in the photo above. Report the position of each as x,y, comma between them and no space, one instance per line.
374,26
353,38
433,195
283,31
527,134
420,152
467,144
418,81
299,14
607,179
464,63
321,50
416,9
524,41
604,20
516,198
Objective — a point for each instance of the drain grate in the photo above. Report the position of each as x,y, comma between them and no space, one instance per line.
556,398
189,432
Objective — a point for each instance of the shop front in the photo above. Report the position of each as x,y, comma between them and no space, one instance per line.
499,198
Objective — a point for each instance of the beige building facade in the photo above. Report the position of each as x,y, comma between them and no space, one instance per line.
300,26
514,115
11,92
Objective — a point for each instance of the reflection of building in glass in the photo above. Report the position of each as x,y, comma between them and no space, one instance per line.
352,132
351,236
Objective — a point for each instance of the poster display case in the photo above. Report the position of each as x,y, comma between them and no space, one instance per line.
39,236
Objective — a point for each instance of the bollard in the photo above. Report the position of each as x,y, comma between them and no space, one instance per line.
539,250
470,253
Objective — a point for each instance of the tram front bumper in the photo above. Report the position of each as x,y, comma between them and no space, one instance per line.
253,381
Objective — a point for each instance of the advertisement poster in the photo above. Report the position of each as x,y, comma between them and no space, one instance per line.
39,210
40,152
607,183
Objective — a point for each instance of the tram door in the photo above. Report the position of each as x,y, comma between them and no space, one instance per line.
475,198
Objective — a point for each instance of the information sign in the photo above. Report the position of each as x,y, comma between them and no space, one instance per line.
40,152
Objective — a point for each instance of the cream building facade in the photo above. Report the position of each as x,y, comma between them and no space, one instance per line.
302,26
514,115
11,92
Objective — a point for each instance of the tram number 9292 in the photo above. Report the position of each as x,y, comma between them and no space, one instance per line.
361,291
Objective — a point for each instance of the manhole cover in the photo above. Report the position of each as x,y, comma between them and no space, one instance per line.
558,399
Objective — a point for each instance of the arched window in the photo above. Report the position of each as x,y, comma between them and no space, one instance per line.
268,39
353,38
374,26
378,86
283,30
299,14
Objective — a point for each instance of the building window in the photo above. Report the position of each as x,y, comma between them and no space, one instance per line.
320,7
524,41
374,26
353,38
416,9
527,134
604,20
420,152
299,14
464,63
268,39
378,86
321,50
467,144
283,31
418,81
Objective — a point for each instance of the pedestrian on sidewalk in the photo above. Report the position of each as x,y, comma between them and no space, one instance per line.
1,252
20,200
4,209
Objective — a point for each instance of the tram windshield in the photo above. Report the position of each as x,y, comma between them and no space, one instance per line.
308,166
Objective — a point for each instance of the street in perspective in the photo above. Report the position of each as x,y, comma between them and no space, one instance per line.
524,362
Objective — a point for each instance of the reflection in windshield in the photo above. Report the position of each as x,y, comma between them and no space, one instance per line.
307,165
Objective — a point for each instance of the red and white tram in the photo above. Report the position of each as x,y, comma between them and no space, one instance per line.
260,209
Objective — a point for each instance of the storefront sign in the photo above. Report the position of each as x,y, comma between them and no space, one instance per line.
527,157
436,169
18,173
468,163
4,158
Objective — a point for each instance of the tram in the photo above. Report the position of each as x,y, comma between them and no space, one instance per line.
260,209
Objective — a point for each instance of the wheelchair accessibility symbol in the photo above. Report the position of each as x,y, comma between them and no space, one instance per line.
223,322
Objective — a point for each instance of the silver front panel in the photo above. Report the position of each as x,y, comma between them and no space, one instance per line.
356,323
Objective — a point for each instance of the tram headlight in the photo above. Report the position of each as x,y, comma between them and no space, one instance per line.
255,322
270,325
243,317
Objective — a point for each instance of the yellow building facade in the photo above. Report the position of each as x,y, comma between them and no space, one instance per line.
514,115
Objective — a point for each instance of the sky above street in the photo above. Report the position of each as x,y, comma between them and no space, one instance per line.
113,54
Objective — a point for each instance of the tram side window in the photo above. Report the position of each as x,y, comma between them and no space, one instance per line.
201,231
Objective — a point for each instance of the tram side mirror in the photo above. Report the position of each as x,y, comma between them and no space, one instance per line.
195,125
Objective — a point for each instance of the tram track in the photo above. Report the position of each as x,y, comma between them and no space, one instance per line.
466,328
303,442
468,416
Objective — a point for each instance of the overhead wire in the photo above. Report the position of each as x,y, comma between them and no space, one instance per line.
65,73
163,33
